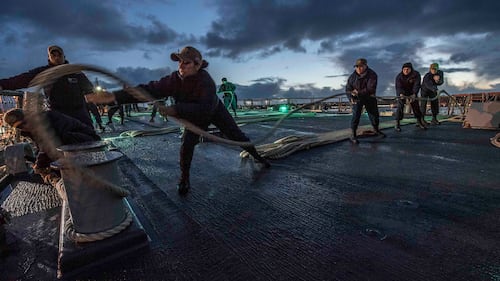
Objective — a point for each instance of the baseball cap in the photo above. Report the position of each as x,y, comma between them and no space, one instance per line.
434,65
55,48
361,61
187,53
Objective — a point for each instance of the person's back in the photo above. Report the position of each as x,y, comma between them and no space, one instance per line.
229,96
66,130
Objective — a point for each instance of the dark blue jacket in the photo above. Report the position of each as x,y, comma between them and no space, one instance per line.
408,84
195,96
366,84
429,86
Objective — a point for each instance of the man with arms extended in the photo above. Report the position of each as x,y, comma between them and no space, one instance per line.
196,101
66,95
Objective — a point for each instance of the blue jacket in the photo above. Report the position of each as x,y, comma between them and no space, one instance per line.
366,84
429,86
195,96
408,84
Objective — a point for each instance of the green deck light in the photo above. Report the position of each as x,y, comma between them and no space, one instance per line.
283,108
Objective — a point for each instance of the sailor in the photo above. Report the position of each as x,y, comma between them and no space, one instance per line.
431,80
196,101
67,130
66,95
228,94
407,87
361,89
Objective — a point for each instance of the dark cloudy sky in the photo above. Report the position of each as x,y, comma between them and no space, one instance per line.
285,48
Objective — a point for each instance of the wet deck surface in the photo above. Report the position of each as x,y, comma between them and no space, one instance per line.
417,205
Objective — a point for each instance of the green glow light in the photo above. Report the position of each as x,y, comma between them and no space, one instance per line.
283,108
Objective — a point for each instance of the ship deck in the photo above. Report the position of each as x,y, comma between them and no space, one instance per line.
416,205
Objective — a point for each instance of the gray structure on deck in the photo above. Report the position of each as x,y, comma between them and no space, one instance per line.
417,205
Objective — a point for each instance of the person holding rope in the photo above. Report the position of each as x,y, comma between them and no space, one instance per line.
361,89
431,80
407,87
66,95
229,96
194,91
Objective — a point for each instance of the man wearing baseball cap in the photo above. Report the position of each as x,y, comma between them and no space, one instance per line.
431,80
361,88
196,101
66,95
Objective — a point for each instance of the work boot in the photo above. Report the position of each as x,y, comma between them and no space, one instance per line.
263,161
353,138
397,127
256,156
152,120
434,121
183,187
380,134
421,124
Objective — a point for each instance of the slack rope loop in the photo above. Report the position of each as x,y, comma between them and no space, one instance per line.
50,75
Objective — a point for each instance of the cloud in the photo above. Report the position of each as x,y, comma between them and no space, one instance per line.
388,33
99,24
132,75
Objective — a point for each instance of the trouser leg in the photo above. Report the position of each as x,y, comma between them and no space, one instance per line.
189,141
222,119
373,113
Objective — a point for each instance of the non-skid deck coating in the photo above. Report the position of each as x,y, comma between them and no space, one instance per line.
417,205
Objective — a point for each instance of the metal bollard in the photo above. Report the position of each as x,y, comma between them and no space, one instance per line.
89,173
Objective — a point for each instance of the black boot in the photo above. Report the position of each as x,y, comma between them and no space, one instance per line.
379,133
353,138
398,126
183,186
434,121
252,151
421,124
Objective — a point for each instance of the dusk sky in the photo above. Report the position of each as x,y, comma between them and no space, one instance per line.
282,48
